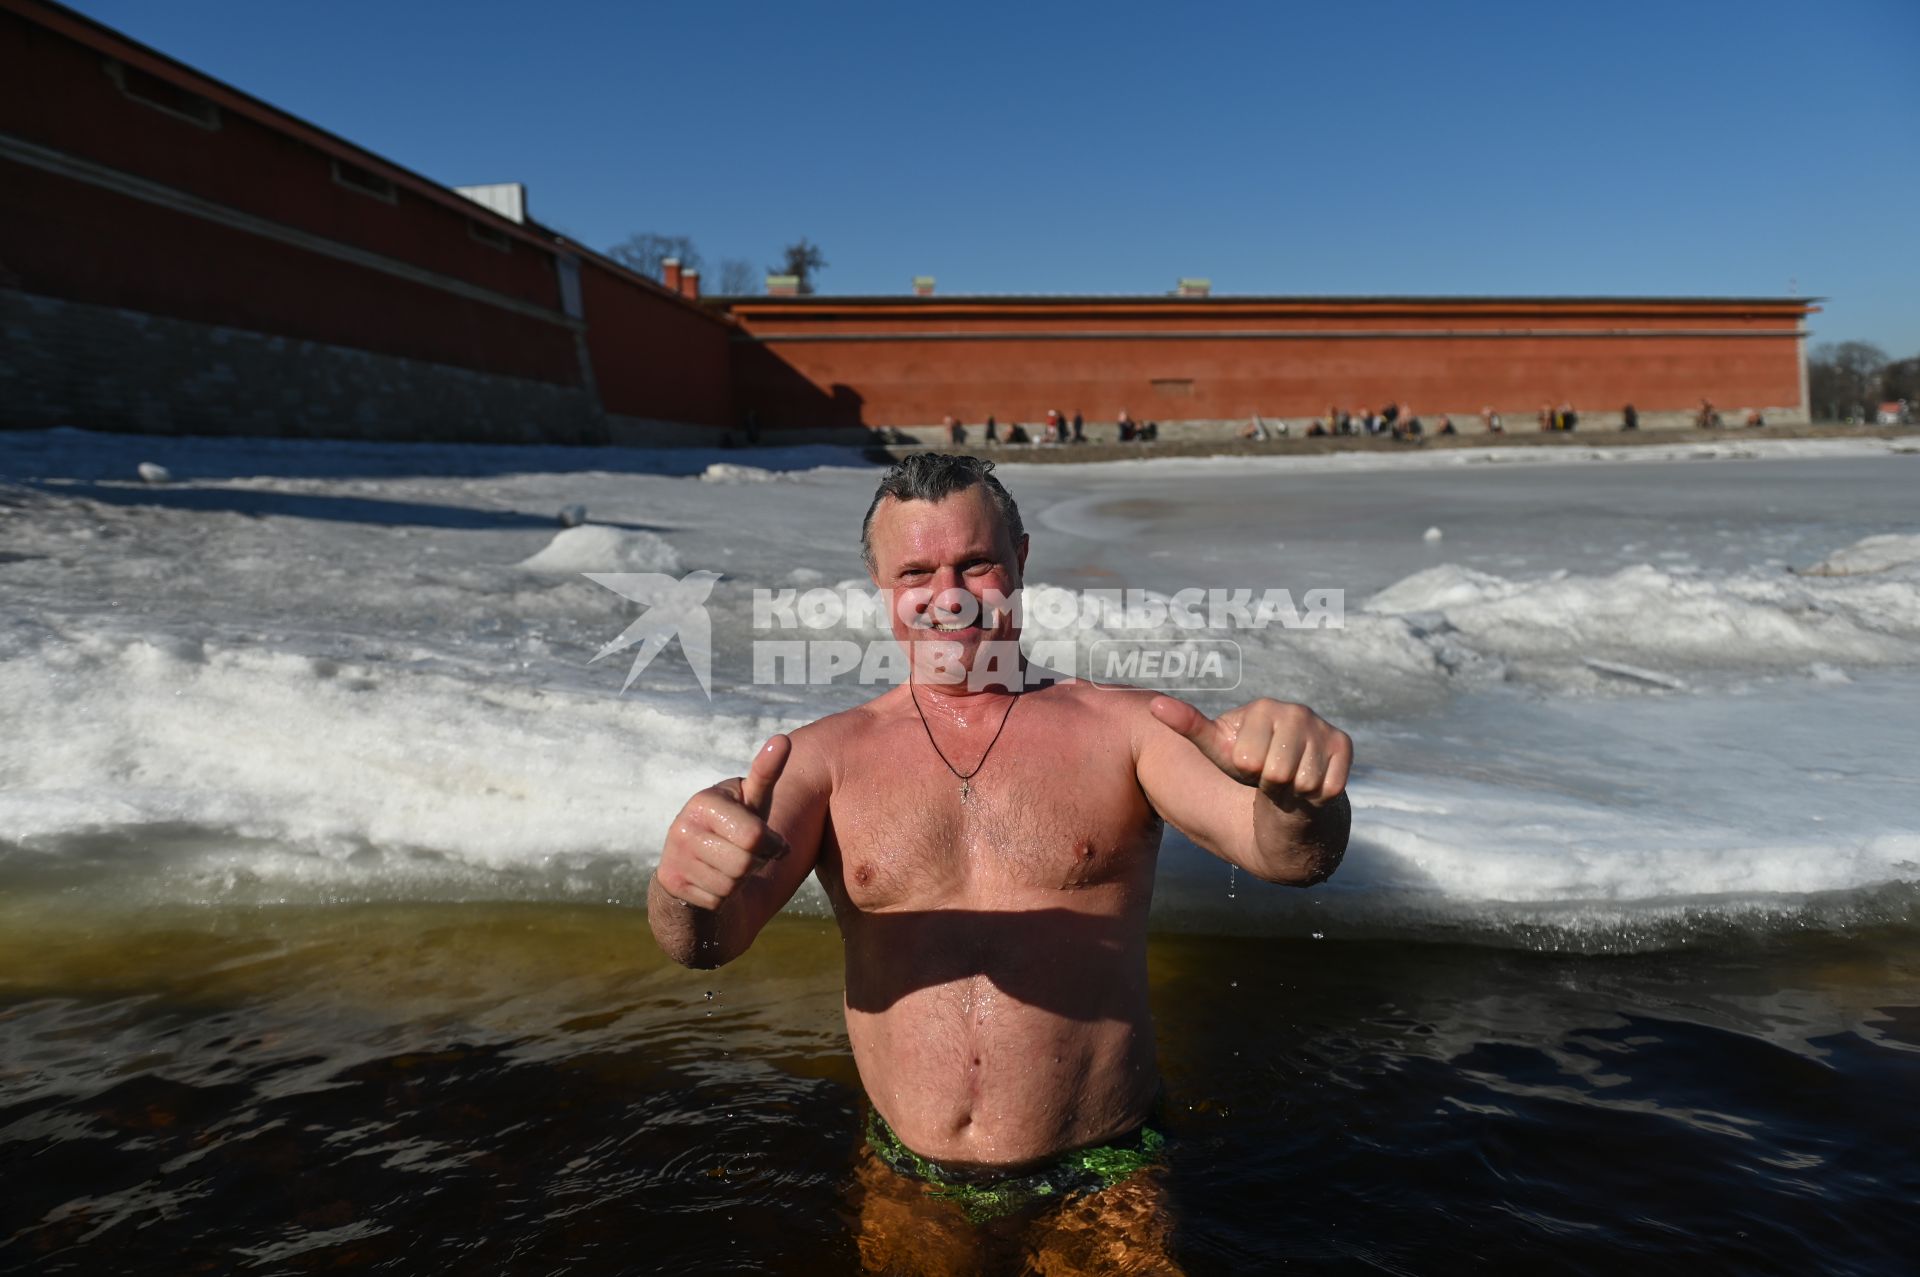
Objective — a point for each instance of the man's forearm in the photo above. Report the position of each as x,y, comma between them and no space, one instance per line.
691,936
1299,844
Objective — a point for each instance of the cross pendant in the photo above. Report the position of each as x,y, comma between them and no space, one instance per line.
966,792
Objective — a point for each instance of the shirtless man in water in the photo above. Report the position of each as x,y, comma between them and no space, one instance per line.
988,846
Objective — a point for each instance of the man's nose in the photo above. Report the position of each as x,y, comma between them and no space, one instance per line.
955,604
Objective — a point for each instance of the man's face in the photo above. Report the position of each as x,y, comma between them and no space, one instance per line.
952,568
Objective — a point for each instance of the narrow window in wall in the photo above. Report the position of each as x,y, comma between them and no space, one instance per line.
491,236
567,267
364,180
162,95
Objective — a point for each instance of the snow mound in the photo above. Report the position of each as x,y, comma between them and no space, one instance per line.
1868,555
731,472
1644,619
1439,588
598,548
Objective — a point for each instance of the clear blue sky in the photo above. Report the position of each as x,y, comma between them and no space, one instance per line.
1727,147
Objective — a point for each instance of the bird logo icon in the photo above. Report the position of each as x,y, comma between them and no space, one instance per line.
672,608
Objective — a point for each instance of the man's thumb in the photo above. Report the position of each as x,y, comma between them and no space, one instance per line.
756,791
1190,723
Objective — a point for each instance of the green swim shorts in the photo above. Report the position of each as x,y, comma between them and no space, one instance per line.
981,1198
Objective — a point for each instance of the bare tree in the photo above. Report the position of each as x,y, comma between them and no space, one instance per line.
1901,380
1843,378
643,251
738,278
802,260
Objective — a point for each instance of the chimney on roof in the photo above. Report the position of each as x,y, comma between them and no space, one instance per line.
509,199
783,285
670,273
1194,288
690,285
923,285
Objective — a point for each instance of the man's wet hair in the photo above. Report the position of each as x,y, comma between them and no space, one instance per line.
934,476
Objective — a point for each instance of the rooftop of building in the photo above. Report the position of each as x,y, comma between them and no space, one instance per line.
1245,299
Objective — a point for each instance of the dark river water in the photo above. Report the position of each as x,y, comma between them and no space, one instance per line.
478,1088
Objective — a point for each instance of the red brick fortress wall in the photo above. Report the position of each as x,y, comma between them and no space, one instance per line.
910,361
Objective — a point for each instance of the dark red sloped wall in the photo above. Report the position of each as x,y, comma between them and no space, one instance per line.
56,93
653,356
75,241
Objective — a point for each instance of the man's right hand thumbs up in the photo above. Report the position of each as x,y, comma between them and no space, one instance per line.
722,832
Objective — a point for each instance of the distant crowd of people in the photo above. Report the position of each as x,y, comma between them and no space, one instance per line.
1396,422
1059,429
1402,425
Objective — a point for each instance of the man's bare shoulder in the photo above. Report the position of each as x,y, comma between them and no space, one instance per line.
820,745
1118,707
1112,695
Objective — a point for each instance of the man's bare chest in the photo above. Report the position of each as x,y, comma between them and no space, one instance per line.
1049,810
